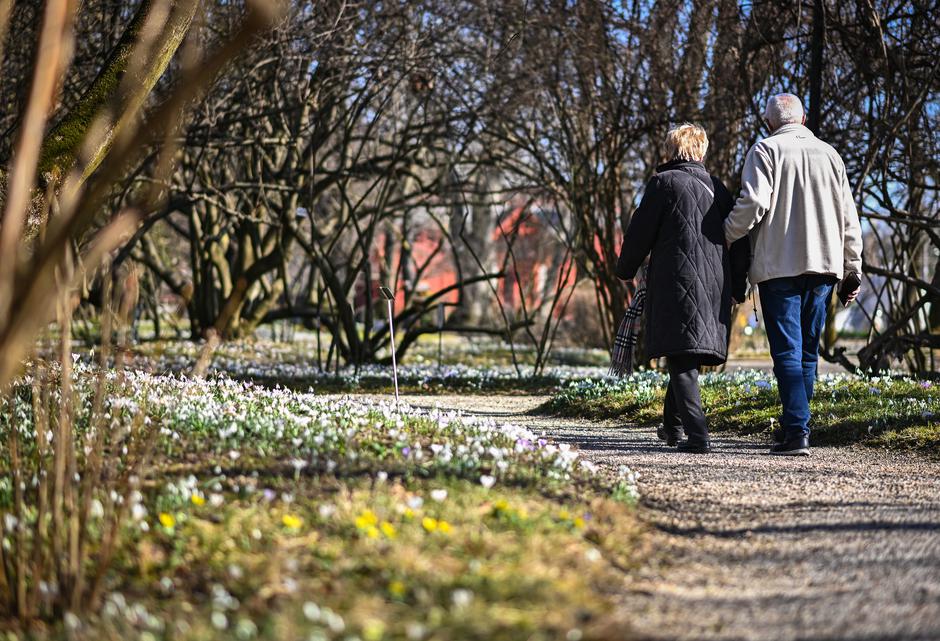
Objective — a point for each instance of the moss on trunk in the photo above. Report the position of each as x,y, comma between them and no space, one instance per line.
108,91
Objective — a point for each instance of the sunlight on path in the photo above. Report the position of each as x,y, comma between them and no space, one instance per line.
842,545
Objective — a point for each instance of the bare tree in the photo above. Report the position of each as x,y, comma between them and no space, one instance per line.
37,253
311,172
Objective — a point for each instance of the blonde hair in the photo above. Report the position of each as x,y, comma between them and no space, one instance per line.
686,142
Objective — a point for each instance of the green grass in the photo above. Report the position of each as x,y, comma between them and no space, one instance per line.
896,412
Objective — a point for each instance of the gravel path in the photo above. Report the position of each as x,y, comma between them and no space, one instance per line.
844,544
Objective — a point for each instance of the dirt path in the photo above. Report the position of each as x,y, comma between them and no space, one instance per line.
842,545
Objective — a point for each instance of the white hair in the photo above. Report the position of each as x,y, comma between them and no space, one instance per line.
783,109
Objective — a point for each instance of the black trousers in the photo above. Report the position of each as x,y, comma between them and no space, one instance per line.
683,406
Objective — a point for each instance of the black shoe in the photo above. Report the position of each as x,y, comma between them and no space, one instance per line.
694,447
779,435
796,446
671,437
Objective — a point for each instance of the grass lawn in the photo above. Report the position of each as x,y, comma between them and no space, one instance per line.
883,411
272,514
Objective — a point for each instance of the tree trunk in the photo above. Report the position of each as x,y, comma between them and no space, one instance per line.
817,45
472,222
146,57
692,64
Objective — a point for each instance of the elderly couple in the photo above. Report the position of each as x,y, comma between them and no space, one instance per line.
793,232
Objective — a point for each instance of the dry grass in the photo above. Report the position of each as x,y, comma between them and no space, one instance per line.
362,559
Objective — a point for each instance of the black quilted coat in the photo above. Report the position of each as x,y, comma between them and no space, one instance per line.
692,275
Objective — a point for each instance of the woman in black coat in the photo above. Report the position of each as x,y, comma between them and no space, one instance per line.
691,280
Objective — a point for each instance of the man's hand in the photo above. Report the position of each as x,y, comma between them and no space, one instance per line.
854,280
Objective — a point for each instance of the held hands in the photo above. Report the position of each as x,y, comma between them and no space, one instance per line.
851,297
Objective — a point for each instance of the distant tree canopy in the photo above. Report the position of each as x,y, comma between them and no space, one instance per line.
312,165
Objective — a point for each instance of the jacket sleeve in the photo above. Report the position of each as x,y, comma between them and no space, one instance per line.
852,230
641,234
757,181
740,257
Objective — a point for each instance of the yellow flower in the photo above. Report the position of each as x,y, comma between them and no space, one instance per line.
564,515
444,527
429,523
167,520
366,519
372,532
579,522
197,500
409,513
373,630
501,505
388,529
397,589
292,521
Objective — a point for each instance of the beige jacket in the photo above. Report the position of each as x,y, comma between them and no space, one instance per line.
797,205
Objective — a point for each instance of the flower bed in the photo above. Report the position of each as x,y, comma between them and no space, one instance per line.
232,424
274,514
295,366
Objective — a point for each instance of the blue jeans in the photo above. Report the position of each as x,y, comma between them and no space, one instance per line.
794,315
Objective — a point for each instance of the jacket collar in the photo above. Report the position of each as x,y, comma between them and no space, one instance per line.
681,164
793,127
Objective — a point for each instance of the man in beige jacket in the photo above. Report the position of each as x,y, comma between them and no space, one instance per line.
797,206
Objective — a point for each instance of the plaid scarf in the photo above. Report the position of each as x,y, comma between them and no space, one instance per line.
621,356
